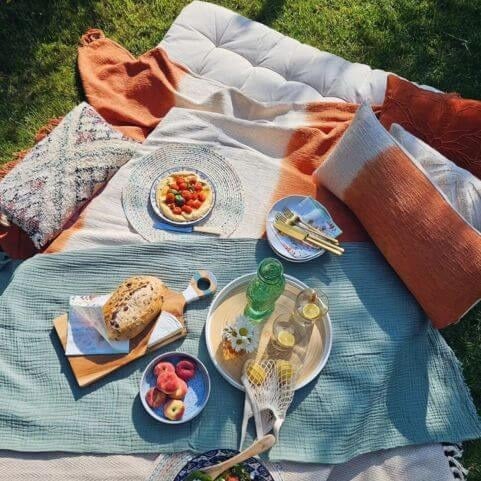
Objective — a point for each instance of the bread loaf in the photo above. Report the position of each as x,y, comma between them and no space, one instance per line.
133,305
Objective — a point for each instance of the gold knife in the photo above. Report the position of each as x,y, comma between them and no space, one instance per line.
302,236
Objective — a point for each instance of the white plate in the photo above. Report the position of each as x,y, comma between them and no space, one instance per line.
233,288
153,200
287,248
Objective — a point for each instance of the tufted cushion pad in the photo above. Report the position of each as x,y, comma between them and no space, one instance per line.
221,45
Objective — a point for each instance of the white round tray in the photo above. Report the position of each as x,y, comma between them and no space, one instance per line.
230,302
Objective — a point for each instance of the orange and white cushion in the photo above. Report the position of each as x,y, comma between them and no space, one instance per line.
431,247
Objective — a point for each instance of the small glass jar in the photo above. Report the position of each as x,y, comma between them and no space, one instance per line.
311,305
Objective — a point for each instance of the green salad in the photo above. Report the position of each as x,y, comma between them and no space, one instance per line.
237,473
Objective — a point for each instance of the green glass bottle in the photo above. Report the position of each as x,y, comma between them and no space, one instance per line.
264,290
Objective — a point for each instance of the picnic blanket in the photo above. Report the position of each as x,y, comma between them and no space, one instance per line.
391,379
425,462
336,78
275,146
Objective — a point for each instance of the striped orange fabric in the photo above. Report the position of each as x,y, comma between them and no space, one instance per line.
447,122
431,247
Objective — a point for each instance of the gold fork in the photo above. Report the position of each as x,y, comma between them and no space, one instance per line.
293,219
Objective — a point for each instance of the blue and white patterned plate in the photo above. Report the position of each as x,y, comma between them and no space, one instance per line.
257,471
167,173
198,387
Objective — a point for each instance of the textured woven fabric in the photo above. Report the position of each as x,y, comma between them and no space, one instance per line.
432,248
409,463
391,379
74,467
420,463
62,172
462,188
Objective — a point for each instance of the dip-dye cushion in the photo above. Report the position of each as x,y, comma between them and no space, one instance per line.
61,173
431,247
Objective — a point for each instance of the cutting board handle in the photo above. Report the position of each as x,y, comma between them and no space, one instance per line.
203,284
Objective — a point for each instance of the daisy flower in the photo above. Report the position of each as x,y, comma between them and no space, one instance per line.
243,336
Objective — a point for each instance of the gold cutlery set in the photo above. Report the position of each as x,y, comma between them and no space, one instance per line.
290,224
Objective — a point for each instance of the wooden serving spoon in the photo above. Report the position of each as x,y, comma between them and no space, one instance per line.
255,448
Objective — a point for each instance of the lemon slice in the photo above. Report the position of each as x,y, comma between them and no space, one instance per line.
311,311
286,339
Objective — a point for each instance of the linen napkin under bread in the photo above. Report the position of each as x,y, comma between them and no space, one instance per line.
87,334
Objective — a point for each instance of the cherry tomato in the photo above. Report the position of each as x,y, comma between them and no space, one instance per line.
170,198
177,210
232,477
194,196
193,181
182,185
191,203
187,209
198,187
174,186
186,194
197,204
171,206
201,196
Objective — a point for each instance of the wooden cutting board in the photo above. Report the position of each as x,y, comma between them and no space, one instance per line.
88,369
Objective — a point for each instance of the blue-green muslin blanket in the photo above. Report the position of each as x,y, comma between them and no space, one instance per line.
391,379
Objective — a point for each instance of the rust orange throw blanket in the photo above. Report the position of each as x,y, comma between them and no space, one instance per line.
135,94
131,94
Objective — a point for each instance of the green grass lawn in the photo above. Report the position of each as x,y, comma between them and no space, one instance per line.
437,42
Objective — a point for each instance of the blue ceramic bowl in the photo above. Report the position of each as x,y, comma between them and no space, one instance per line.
198,387
254,467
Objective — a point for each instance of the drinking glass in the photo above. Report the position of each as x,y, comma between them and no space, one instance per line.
311,305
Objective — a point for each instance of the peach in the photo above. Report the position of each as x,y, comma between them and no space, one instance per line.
174,409
163,367
185,370
168,383
181,390
155,398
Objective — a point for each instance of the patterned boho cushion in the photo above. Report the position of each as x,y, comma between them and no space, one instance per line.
62,172
447,122
431,247
462,188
